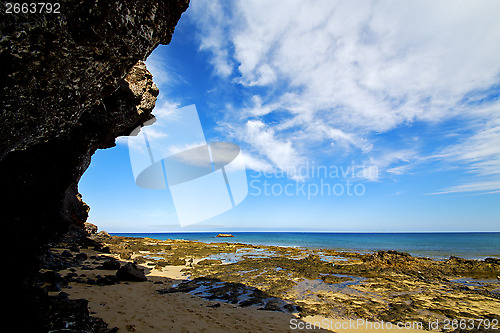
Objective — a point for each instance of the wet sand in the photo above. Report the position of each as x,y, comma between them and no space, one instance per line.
227,287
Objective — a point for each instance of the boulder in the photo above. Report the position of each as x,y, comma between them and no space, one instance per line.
90,228
110,264
101,236
81,256
107,280
495,261
273,305
207,262
177,262
131,272
67,254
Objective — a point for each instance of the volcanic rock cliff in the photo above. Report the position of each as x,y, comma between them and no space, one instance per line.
71,83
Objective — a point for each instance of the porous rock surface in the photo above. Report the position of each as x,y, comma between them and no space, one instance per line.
71,83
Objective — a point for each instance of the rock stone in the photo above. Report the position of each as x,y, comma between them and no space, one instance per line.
67,254
209,262
495,261
177,262
81,256
107,280
110,264
273,305
50,277
103,235
131,272
57,67
90,229
71,83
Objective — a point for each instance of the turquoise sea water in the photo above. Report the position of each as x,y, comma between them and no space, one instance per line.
434,245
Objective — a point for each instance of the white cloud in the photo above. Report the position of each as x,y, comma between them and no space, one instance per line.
156,66
252,162
481,186
481,151
175,149
166,109
163,74
279,152
396,162
213,27
480,155
348,70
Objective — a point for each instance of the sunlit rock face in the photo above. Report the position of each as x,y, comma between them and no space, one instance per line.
71,83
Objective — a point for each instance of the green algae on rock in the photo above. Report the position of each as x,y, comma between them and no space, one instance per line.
386,285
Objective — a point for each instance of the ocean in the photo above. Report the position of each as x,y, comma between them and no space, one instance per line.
433,245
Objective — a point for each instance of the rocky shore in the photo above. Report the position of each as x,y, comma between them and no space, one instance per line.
136,284
71,83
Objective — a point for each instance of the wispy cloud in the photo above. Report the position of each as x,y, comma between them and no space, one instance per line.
163,74
480,151
479,154
278,151
339,73
479,186
213,28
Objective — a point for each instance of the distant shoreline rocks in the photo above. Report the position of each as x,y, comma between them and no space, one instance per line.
224,235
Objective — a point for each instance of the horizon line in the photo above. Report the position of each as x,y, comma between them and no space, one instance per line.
305,231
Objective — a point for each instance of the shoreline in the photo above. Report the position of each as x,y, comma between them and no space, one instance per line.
442,254
305,285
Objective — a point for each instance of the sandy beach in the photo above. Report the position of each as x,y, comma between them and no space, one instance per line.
230,287
138,307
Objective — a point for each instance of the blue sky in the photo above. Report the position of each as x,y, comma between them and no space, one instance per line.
409,90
